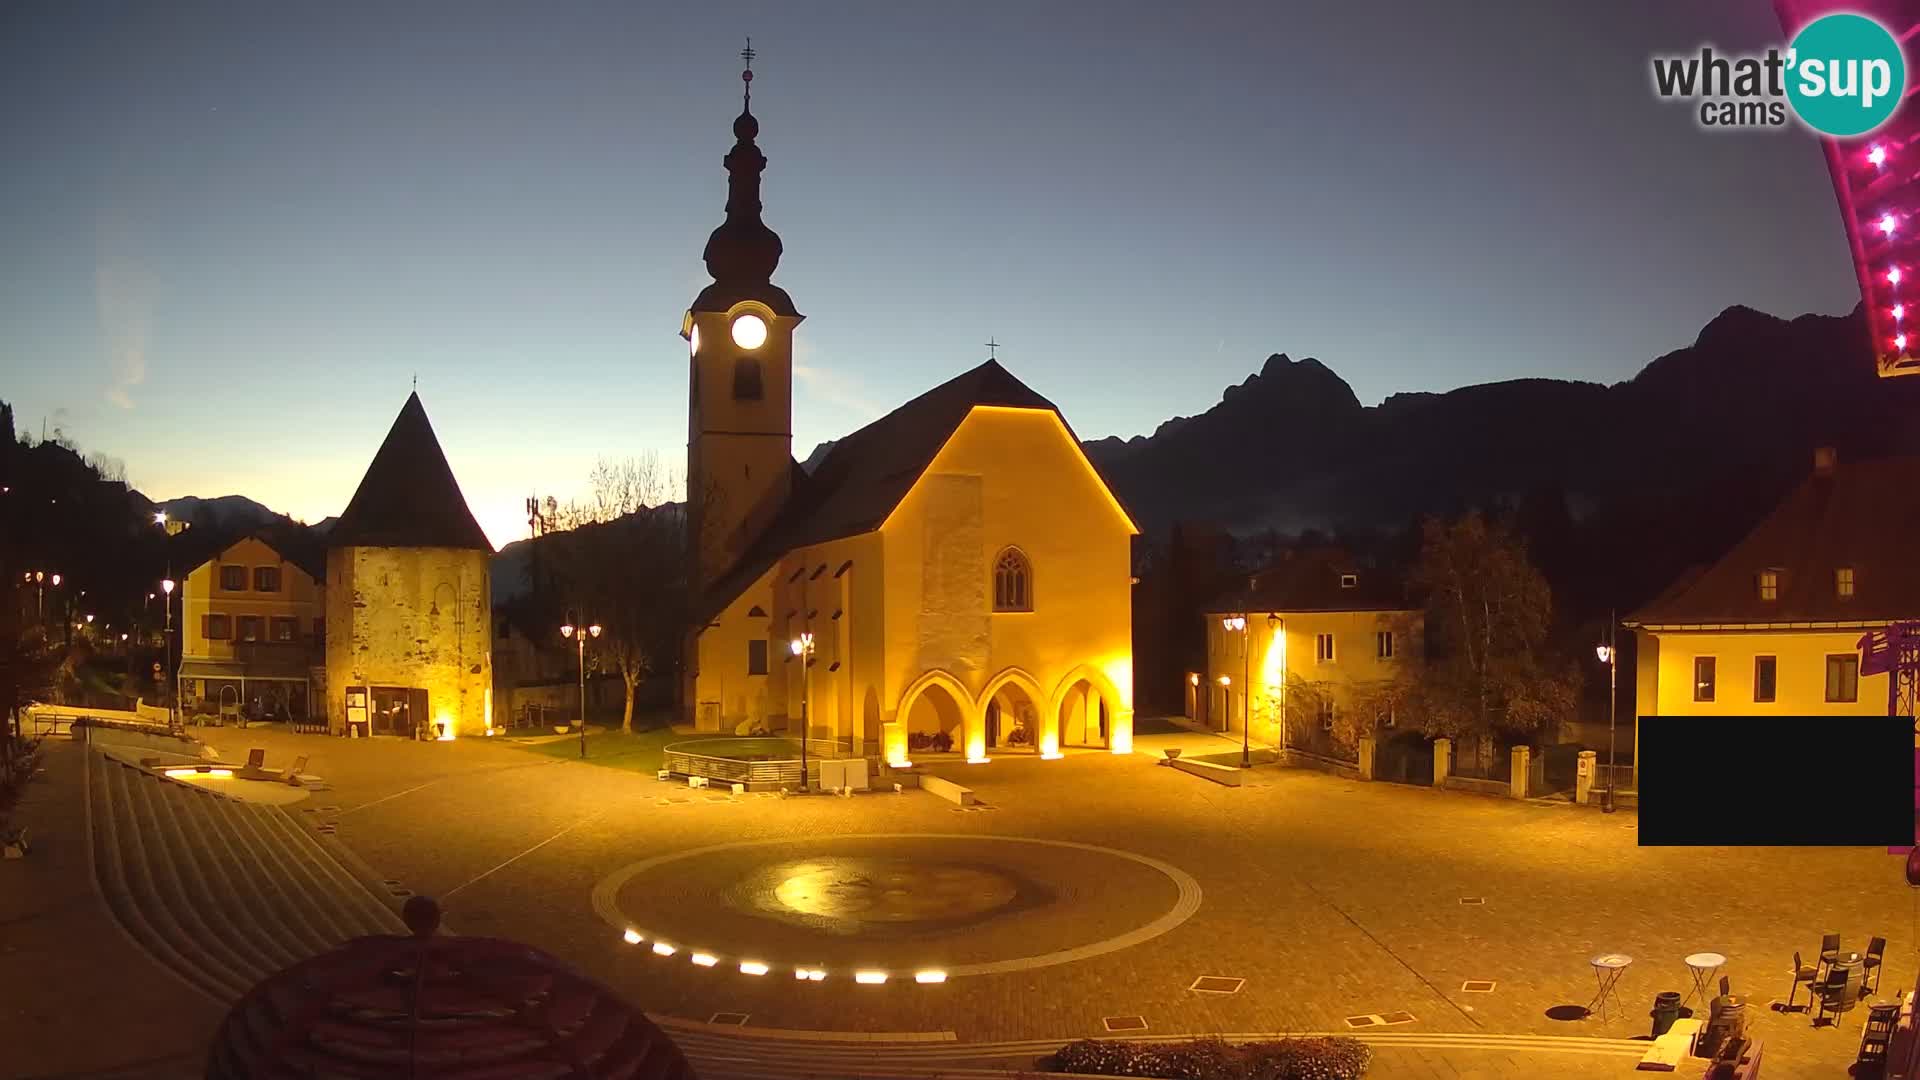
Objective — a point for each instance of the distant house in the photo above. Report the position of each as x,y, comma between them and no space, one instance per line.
1316,624
1774,626
252,626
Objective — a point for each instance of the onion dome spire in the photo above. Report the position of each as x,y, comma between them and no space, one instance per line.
743,251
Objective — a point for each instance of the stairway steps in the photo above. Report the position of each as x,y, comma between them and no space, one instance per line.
307,908
140,903
282,917
179,888
220,877
365,912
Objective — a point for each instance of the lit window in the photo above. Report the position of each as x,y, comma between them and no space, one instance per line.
266,579
1012,582
757,656
1843,678
1323,648
1769,584
285,629
1843,582
1764,676
233,579
247,627
1383,644
1703,678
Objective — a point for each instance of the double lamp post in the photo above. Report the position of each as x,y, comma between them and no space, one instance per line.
580,634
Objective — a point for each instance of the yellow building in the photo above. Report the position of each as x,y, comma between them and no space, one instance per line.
961,570
1316,638
409,605
252,627
1773,628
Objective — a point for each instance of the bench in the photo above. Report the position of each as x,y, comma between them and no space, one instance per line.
948,790
1207,770
1673,1049
292,776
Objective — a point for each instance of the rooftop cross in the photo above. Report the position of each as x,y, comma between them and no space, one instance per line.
991,346
746,76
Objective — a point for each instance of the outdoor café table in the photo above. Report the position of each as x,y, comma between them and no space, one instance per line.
1703,966
1607,969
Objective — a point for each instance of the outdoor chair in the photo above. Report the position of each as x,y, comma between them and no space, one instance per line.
1803,973
1829,950
1870,963
256,760
1724,983
1832,993
292,776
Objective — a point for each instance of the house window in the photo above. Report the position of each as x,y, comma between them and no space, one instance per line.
1383,644
1703,678
1326,714
1843,678
1323,648
219,628
266,579
746,379
285,629
757,656
247,627
1349,581
233,578
1843,583
1769,584
1012,582
1764,668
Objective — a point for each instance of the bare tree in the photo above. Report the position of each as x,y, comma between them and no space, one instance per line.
618,558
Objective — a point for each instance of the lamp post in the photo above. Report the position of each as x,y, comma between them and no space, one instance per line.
1239,622
579,634
173,696
803,648
1610,658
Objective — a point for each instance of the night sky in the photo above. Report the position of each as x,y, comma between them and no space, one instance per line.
230,239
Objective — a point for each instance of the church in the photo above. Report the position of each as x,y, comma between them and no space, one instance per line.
955,577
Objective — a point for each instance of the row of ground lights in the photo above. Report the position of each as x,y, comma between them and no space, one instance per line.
803,974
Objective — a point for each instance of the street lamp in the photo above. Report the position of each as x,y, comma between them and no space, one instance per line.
173,696
1610,656
579,634
803,648
1239,622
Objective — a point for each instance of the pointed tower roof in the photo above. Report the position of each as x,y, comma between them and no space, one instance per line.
409,497
743,252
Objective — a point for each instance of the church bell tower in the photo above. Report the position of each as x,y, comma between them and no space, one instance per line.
739,334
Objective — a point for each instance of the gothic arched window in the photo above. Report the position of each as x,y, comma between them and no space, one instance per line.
1012,581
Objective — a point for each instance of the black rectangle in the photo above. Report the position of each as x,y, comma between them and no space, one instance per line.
1777,781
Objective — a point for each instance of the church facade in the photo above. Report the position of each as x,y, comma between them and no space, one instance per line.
954,577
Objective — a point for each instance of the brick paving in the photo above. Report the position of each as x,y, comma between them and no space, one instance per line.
1330,897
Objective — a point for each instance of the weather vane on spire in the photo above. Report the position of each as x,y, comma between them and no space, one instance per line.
746,76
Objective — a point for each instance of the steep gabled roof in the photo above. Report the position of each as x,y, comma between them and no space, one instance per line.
866,475
191,549
1863,516
409,497
1312,581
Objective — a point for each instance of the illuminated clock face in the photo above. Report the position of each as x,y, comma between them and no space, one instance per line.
693,341
749,332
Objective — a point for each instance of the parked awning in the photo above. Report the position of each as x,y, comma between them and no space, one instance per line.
237,669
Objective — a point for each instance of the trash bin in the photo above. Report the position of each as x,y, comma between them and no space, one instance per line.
1666,1009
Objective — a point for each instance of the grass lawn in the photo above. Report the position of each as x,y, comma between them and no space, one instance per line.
638,752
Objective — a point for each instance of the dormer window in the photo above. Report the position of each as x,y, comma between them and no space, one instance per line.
1843,583
1349,581
1769,584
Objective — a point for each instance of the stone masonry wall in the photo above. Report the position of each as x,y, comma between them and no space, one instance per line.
411,617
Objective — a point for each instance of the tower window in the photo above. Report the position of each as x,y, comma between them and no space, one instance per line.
746,379
1012,582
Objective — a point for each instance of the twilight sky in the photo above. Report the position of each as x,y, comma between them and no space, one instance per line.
229,239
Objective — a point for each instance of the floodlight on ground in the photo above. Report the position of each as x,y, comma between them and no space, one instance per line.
661,948
631,937
704,959
870,978
810,974
929,976
752,967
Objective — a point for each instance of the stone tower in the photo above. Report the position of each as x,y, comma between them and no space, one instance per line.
409,603
739,334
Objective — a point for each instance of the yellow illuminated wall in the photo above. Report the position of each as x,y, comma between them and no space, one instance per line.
916,644
1284,645
299,598
412,618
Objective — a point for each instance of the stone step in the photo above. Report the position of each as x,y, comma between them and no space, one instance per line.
247,917
361,911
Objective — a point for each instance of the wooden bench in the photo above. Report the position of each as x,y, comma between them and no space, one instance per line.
1227,775
948,790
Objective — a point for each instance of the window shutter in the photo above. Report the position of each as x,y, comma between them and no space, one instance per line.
206,627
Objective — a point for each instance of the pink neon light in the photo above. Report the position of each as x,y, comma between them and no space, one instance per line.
1899,311
1877,155
1887,224
1893,275
1900,341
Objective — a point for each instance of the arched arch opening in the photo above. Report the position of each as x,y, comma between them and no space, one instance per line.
1089,712
936,714
1014,715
